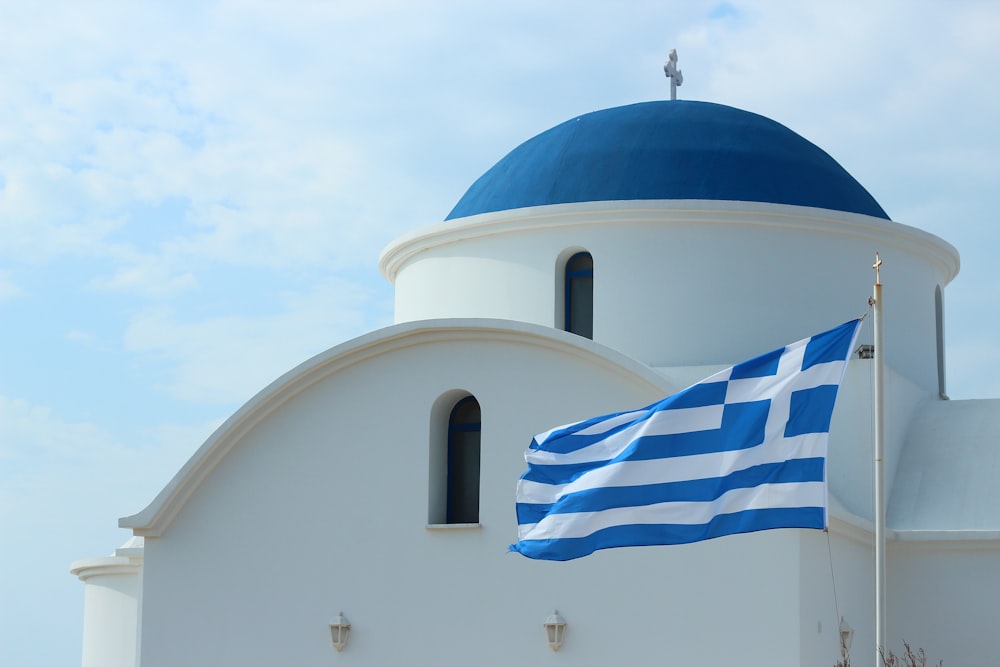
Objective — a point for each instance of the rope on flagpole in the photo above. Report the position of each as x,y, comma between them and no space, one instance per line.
833,579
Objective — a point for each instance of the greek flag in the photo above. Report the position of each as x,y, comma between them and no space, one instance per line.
741,451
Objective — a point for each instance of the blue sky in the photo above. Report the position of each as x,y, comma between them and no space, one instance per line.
193,196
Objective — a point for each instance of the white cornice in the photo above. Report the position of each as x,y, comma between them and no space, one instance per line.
106,566
858,529
952,539
877,231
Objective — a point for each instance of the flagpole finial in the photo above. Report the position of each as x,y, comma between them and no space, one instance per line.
876,266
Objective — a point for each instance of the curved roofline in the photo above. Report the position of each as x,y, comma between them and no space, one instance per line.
157,516
881,232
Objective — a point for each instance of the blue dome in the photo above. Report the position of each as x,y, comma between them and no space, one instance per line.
667,150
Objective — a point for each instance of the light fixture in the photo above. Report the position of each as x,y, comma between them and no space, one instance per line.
339,629
555,628
846,636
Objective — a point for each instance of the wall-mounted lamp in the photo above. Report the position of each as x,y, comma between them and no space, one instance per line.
340,627
846,636
555,628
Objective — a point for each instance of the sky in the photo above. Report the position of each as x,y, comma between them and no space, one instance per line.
194,195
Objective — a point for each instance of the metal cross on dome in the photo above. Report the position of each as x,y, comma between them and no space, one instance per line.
674,74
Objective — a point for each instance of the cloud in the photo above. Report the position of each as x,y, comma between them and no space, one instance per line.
62,485
151,277
8,288
242,138
43,452
27,429
286,151
228,358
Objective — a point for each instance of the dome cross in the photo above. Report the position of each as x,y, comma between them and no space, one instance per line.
675,75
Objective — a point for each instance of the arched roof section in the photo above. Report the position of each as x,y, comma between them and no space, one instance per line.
946,480
156,517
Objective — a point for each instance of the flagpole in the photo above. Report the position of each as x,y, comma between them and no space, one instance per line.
879,468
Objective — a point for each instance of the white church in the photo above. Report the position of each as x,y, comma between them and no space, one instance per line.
358,510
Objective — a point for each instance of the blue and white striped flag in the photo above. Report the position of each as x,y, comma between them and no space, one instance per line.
741,451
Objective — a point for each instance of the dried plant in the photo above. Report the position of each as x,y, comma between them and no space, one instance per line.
909,658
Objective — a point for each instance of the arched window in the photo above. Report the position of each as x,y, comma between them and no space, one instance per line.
579,297
462,504
939,332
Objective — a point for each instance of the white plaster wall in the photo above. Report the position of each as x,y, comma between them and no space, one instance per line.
111,595
851,450
496,277
836,580
947,479
322,507
675,280
942,597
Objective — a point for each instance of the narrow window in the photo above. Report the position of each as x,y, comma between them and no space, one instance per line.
463,462
939,331
580,295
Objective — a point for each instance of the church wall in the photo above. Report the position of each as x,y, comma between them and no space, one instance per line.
947,479
672,285
322,507
942,597
851,449
111,606
836,582
499,277
701,284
